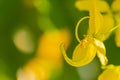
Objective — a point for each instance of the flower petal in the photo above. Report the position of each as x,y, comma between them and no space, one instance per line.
84,5
112,73
82,55
101,51
96,20
105,31
103,59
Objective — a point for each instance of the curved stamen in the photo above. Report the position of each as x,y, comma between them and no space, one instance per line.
77,26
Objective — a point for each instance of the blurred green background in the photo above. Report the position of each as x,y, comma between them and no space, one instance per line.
17,14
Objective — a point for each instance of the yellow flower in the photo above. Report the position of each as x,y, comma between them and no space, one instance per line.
87,48
111,72
116,10
84,5
107,15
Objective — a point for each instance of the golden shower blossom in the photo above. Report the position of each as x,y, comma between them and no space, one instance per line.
87,48
84,5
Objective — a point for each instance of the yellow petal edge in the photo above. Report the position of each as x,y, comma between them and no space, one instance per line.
79,58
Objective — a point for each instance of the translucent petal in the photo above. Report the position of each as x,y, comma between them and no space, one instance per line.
85,5
83,54
96,20
101,51
112,73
